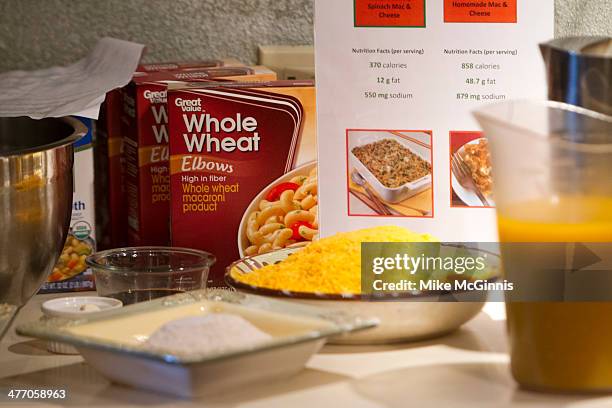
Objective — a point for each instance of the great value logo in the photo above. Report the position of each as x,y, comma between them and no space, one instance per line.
155,96
189,105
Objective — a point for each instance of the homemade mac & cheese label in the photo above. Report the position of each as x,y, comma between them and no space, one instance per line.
456,11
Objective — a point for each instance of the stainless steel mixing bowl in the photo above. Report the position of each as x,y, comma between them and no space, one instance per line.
36,186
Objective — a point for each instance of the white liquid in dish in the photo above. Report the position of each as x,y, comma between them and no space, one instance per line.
132,329
211,333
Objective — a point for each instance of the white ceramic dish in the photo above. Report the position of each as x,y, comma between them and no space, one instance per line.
406,318
404,321
70,308
401,321
243,241
114,343
391,195
467,196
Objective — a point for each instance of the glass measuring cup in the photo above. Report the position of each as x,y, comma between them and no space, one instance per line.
552,167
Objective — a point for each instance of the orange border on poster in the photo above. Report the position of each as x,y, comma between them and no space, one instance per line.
389,13
491,12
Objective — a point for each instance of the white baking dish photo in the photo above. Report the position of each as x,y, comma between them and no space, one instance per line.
405,191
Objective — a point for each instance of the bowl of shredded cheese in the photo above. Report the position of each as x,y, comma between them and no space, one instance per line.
327,273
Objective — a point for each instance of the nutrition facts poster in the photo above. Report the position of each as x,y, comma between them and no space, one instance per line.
396,84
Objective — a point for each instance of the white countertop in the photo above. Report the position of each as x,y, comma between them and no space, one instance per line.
466,369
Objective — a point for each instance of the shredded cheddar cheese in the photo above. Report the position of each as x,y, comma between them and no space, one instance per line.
330,265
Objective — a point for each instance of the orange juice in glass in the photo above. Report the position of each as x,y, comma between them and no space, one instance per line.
552,169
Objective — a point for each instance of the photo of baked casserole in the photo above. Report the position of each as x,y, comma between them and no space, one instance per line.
389,173
391,163
478,160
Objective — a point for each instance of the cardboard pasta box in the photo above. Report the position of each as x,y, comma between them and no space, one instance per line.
242,168
111,207
180,65
111,214
144,127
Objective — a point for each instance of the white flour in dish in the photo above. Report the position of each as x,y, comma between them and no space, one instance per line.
214,332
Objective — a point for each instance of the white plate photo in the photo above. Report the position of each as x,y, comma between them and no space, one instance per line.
468,196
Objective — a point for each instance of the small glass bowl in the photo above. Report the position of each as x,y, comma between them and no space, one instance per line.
138,274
